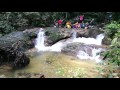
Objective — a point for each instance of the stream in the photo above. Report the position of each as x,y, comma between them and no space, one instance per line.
51,62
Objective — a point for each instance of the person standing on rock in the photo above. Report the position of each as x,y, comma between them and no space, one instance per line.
81,18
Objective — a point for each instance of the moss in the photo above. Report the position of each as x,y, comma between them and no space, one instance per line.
53,35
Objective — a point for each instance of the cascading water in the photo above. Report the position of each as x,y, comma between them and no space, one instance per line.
96,41
40,40
40,43
81,54
95,56
74,35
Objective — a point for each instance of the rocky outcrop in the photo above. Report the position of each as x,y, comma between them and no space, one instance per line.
26,40
93,32
74,48
54,35
13,46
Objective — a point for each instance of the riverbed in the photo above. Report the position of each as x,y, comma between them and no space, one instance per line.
56,65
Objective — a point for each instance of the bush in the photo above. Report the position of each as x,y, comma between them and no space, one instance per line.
112,56
12,21
112,28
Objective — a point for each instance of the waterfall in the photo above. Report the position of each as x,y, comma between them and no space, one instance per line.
40,43
74,35
81,54
40,39
94,56
97,41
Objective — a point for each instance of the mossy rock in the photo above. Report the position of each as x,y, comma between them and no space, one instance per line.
106,40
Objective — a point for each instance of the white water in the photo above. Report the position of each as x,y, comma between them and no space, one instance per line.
40,43
83,55
40,39
96,41
74,35
58,46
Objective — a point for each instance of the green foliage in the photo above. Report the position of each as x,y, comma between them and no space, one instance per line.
108,71
75,72
113,25
112,55
112,28
11,21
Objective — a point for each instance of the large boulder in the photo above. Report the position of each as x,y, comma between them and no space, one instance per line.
93,32
25,40
16,59
54,35
12,47
71,48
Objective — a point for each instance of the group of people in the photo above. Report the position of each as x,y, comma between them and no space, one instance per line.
78,23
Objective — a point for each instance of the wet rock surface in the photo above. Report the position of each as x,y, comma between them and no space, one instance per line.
74,48
10,39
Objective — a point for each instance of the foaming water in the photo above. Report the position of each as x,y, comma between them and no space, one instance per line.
40,43
96,41
74,35
95,56
40,40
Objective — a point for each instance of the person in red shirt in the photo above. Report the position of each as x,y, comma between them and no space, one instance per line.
60,23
